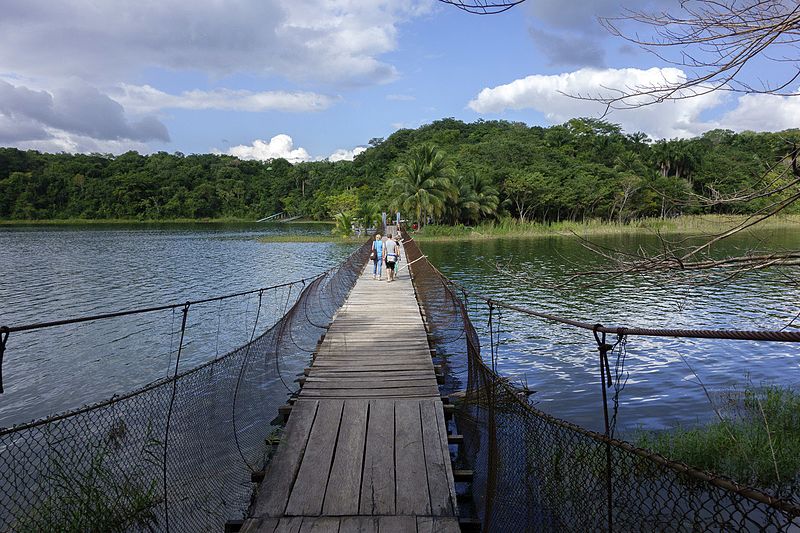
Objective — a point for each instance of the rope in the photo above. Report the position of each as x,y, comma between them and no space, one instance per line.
239,382
41,325
4,333
728,334
169,412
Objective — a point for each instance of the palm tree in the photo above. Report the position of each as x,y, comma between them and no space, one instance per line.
344,225
485,198
368,215
422,185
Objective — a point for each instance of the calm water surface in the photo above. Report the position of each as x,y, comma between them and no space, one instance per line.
48,273
560,362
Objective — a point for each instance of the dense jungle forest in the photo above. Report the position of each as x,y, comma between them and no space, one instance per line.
448,171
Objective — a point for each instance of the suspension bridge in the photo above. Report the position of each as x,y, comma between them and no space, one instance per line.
370,442
365,446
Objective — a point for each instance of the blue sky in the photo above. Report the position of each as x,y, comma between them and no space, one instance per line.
310,79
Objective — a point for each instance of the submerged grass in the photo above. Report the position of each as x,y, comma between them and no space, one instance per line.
757,443
91,493
699,224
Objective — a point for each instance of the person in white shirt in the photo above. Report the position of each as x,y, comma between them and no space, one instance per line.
391,251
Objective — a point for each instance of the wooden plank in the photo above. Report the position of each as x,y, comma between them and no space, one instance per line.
429,391
377,484
289,525
358,524
344,484
442,425
386,378
401,373
384,383
259,525
437,524
283,468
309,489
437,459
323,524
412,480
397,524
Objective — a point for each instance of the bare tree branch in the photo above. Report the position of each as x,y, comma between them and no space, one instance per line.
714,40
482,7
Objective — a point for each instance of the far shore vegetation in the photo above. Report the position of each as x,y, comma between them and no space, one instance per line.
447,173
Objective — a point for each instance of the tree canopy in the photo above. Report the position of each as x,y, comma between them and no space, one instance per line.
465,172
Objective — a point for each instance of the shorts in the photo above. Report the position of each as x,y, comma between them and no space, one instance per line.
390,264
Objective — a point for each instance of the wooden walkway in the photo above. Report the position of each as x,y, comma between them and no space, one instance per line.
365,447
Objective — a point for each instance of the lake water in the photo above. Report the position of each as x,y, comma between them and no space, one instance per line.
51,272
560,362
48,273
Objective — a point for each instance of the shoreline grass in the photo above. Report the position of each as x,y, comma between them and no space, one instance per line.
695,224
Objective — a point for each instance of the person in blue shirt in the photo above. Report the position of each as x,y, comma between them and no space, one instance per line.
377,257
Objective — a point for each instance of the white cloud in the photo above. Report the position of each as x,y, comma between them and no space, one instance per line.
60,141
144,98
762,112
401,97
548,94
337,41
681,118
279,146
346,155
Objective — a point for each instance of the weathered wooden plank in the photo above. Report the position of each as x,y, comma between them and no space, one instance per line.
400,373
371,362
415,392
309,489
323,524
283,468
259,525
289,525
397,524
412,481
377,484
364,383
442,425
437,524
437,459
358,524
344,483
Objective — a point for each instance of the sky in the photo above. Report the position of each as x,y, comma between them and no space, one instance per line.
316,79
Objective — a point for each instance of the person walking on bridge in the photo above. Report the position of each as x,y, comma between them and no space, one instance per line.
392,253
377,257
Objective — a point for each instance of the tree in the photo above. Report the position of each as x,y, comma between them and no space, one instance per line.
368,215
522,188
422,183
344,202
484,199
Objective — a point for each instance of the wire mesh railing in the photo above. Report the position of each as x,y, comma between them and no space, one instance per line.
537,472
178,453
